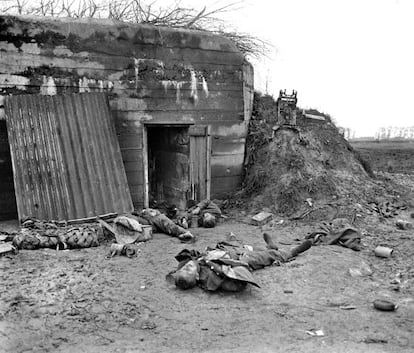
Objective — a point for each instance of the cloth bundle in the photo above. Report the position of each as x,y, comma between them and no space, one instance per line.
129,230
37,235
339,231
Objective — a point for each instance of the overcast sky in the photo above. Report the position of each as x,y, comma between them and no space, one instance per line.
353,59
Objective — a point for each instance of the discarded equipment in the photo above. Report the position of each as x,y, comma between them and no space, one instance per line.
403,225
286,108
128,250
261,218
384,305
383,251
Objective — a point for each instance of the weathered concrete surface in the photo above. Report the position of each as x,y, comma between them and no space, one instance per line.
151,74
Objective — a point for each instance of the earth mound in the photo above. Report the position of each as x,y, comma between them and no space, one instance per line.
290,168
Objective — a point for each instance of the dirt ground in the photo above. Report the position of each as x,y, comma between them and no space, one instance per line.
81,301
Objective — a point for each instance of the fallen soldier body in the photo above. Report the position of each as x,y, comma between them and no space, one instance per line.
208,213
165,225
228,267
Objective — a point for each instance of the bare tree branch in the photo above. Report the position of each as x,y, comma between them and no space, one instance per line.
141,11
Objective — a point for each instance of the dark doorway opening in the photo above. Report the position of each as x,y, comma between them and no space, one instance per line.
8,206
168,164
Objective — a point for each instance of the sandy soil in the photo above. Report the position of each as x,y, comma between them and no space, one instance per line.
81,301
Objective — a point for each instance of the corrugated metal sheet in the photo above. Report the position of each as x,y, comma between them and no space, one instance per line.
67,162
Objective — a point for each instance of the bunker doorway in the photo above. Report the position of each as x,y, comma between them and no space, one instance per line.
178,163
8,206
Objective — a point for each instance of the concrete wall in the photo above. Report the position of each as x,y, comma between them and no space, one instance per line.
151,74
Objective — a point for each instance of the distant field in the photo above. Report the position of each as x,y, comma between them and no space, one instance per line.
387,156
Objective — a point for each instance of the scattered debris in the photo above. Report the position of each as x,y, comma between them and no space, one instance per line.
6,236
261,218
8,248
383,251
148,325
339,231
361,271
347,307
403,225
388,209
231,237
384,305
128,250
369,340
317,333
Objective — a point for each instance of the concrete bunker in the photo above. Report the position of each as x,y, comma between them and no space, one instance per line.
158,81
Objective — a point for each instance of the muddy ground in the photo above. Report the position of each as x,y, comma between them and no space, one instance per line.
81,301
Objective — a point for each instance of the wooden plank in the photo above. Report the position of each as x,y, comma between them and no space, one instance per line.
200,170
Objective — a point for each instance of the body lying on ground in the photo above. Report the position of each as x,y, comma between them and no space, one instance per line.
165,225
227,266
208,213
